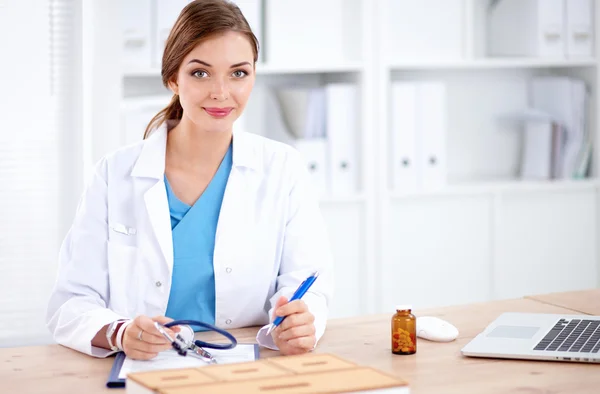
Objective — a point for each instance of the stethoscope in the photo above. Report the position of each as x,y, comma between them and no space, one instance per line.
183,343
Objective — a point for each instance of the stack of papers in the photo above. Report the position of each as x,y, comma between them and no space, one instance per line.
170,359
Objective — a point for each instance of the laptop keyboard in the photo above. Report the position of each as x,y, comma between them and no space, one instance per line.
577,336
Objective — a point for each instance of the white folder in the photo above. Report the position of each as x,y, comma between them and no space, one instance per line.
432,121
527,28
565,99
167,12
137,33
579,28
536,159
314,151
342,133
404,136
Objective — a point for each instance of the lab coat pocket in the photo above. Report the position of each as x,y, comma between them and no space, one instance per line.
122,262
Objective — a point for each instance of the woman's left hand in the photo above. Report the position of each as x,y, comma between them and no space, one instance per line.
296,334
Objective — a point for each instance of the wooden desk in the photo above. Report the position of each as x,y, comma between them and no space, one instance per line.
585,302
436,368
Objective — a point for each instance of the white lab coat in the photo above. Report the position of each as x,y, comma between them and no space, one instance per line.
117,259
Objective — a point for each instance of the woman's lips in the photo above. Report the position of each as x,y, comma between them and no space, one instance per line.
218,112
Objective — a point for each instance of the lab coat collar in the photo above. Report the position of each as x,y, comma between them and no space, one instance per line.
151,161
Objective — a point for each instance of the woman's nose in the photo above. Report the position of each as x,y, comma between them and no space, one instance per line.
219,91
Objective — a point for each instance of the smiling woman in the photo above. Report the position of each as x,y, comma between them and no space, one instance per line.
214,94
195,222
208,30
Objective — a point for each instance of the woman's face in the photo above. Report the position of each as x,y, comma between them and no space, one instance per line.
215,80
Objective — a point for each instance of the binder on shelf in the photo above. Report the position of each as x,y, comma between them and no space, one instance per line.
264,115
418,135
136,23
404,137
527,28
304,111
579,28
324,126
342,132
432,118
566,99
538,138
314,151
316,114
543,137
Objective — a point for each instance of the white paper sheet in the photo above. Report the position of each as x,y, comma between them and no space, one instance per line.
171,360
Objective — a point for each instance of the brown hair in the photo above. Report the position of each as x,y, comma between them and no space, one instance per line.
199,20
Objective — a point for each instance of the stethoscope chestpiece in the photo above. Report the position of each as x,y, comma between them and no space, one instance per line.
182,343
179,343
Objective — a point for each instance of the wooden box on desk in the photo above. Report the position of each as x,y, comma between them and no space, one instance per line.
311,373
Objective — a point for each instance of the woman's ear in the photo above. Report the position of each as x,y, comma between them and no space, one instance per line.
174,87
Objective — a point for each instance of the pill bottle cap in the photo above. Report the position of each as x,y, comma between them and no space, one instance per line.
403,307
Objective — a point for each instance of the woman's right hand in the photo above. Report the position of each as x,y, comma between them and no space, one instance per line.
142,341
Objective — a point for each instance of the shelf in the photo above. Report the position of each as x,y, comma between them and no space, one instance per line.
350,199
516,186
264,69
493,63
142,73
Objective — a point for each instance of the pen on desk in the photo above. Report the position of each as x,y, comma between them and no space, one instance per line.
300,291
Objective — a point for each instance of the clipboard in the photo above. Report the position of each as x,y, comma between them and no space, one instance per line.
115,382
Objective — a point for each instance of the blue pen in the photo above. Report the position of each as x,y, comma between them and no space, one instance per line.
300,291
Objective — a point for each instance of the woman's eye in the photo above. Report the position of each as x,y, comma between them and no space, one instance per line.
240,73
200,74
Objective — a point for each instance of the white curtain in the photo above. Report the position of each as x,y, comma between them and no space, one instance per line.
39,156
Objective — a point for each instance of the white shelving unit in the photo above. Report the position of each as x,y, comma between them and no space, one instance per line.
490,64
486,234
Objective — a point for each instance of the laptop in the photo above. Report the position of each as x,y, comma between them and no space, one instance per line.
536,336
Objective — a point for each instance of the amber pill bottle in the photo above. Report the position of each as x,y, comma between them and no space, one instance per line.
404,331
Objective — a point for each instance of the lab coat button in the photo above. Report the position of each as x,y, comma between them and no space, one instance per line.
228,321
158,284
228,270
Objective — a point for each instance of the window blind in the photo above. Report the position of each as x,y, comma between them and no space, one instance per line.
37,56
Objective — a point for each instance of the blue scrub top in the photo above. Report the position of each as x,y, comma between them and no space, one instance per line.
194,227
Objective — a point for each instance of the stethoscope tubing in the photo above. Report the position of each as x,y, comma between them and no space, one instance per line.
210,327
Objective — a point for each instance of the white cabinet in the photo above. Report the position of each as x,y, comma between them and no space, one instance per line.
476,245
438,252
346,224
545,242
